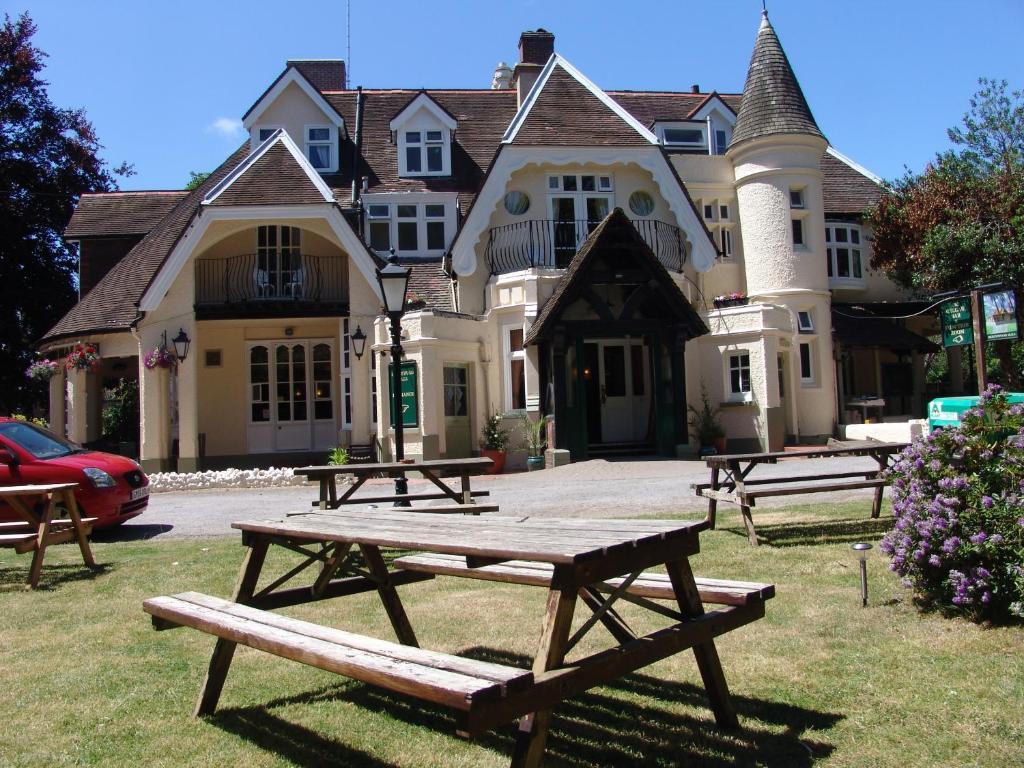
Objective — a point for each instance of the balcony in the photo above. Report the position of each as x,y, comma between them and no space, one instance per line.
548,243
258,285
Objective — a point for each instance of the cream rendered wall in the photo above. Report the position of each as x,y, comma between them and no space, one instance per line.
293,110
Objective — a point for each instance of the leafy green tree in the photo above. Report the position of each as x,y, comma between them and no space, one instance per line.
196,178
48,158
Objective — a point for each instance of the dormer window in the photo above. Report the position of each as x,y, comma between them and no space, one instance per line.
322,147
684,135
424,152
423,132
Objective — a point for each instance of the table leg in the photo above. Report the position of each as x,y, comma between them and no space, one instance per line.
76,521
713,503
748,521
467,494
876,507
389,595
708,663
324,484
224,650
533,729
42,535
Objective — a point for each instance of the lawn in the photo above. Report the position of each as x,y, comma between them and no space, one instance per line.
819,680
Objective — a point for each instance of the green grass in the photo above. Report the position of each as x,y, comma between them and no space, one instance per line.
86,680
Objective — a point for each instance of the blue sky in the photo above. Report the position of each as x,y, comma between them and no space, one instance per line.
165,83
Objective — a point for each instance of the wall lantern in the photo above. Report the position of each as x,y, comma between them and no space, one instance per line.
358,342
181,343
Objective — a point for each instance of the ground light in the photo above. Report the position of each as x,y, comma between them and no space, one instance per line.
861,548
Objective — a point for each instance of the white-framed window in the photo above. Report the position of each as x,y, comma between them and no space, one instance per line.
580,182
264,132
322,147
739,375
805,321
807,363
844,253
424,151
291,381
798,232
684,134
721,141
515,367
718,217
413,224
796,197
373,388
725,236
798,214
378,226
346,376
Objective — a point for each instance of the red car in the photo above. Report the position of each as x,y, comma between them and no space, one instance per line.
110,488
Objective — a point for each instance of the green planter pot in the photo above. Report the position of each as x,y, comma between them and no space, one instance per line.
534,463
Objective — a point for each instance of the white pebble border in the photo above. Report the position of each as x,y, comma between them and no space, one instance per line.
275,477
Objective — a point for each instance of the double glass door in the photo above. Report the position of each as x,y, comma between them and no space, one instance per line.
574,216
624,389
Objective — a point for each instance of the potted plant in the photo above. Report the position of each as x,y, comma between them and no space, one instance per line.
83,357
494,443
42,370
734,299
707,426
534,432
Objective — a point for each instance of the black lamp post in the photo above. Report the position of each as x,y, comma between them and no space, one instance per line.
394,279
181,343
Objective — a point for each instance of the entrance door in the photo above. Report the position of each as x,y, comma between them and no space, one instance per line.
574,216
292,398
624,391
457,433
784,396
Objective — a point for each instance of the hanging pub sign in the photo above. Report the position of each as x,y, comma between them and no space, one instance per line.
956,322
410,400
999,310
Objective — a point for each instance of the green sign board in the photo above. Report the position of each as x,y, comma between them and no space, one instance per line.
410,400
956,322
1000,312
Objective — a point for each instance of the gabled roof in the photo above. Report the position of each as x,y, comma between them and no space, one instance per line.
616,234
711,102
423,100
276,173
120,214
847,188
291,74
650,107
773,102
564,108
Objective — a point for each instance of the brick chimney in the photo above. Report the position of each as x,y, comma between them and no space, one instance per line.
535,48
323,74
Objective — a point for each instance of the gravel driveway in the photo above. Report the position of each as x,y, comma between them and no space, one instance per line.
597,488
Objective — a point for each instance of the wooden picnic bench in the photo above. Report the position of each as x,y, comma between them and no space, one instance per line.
597,561
37,505
730,480
432,470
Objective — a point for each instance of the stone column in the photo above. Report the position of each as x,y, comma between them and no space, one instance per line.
188,409
58,391
155,450
78,405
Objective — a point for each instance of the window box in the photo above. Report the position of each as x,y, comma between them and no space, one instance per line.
723,302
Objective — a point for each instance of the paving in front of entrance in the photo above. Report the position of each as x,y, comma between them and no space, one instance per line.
597,488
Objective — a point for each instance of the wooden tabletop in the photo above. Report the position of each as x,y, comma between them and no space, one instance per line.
394,466
544,539
810,453
26,490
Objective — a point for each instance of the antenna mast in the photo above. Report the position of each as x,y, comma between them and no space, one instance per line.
348,38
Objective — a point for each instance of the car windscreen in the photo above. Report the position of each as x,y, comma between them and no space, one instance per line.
38,442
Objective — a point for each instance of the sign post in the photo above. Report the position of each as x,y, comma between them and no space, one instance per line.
979,345
955,314
409,395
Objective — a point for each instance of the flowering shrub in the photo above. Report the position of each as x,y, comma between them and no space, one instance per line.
161,357
42,370
83,357
958,498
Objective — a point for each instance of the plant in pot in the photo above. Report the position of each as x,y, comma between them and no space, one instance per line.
534,432
494,443
707,426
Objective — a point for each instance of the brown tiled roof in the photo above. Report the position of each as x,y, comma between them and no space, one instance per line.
772,100
566,113
275,179
432,285
615,233
846,190
650,107
118,214
111,305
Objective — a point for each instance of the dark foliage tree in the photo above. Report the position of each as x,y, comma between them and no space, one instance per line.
48,158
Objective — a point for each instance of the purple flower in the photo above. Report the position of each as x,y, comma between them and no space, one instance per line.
979,538
988,502
935,561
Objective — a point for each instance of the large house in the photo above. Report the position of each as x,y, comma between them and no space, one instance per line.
566,243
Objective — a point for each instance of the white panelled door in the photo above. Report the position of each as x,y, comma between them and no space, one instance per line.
624,389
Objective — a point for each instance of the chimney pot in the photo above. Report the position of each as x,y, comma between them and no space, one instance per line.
502,77
695,88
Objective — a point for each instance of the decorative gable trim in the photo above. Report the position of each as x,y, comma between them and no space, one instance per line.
855,166
557,61
289,76
425,101
710,104
278,136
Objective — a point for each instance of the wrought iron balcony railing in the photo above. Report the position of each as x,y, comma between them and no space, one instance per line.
550,243
283,278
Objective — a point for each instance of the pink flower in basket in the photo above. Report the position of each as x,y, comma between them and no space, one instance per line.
161,357
42,370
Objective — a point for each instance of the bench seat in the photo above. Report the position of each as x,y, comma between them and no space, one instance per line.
17,526
650,585
391,498
440,678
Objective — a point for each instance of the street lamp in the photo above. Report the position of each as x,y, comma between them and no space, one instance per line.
861,548
358,342
394,279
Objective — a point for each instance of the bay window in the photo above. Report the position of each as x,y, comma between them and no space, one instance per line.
843,253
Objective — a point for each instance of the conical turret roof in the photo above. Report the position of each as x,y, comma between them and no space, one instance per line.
772,100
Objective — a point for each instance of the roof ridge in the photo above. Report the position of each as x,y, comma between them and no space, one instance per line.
137,192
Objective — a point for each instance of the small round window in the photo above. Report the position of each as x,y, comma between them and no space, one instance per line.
517,203
641,203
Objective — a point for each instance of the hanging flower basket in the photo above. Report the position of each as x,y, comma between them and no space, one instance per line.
737,299
414,301
83,357
42,370
161,357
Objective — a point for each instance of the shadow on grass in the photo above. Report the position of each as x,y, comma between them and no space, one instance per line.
817,532
129,532
13,578
624,723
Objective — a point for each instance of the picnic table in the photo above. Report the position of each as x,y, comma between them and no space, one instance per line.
37,505
730,477
597,561
432,470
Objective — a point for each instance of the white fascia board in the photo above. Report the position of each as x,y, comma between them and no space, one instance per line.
856,166
243,167
512,159
426,102
557,61
258,214
292,76
715,104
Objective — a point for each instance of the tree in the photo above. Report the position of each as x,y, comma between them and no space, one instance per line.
48,158
195,179
961,222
